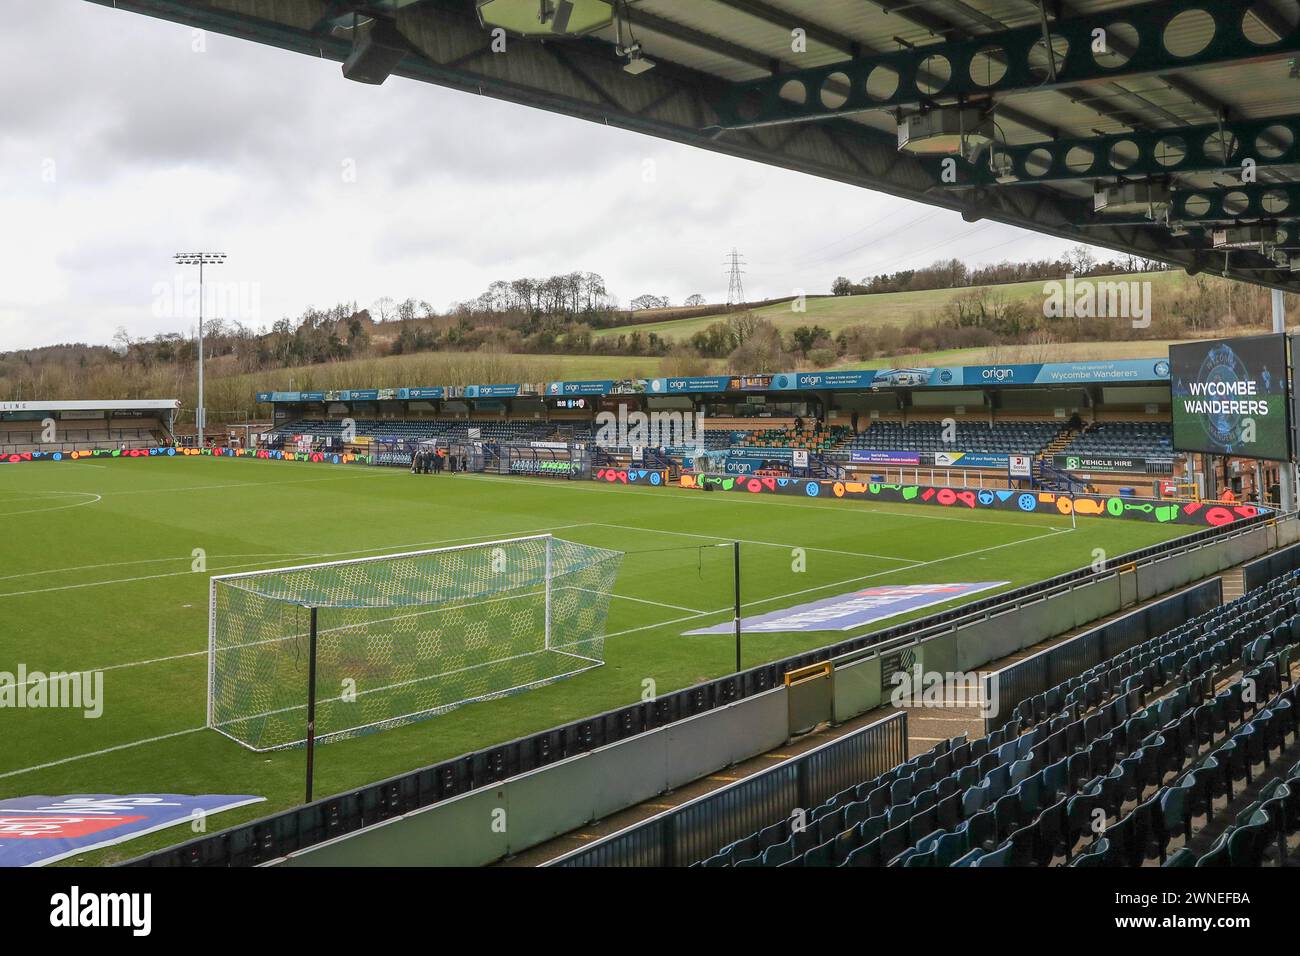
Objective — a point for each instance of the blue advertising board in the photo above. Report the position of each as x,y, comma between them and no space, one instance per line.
602,387
859,456
685,385
38,830
491,391
787,381
970,459
853,610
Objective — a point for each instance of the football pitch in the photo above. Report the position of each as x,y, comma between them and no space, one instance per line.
105,566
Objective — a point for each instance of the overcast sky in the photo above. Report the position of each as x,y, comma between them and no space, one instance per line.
125,145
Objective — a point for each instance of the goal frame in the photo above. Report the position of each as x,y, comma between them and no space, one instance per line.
218,579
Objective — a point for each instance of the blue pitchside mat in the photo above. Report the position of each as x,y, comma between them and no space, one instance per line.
39,830
853,610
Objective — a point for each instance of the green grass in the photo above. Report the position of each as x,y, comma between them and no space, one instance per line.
98,574
835,313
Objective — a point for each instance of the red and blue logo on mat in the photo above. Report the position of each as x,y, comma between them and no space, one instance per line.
39,830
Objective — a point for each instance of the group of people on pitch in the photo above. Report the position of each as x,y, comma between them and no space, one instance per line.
434,460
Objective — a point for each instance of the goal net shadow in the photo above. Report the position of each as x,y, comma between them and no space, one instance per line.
401,638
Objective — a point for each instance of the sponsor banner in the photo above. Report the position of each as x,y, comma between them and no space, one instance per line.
549,444
491,391
632,476
1020,466
1050,373
801,457
853,610
319,457
860,457
38,830
602,387
735,465
805,381
1068,373
1108,463
1202,513
1230,397
420,393
969,459
675,386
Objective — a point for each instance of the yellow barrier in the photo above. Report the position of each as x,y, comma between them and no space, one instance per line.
802,675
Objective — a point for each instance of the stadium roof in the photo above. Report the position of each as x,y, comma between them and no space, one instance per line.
126,405
1190,108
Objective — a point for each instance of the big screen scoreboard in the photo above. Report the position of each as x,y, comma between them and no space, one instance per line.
1230,397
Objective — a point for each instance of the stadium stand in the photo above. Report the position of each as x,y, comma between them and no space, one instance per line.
458,430
1007,437
1125,439
22,437
814,437
1030,792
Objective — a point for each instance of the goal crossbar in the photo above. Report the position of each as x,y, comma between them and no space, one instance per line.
480,620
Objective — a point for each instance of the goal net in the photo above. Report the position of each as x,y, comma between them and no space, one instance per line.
401,637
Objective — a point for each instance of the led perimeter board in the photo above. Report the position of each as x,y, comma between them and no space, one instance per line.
1230,397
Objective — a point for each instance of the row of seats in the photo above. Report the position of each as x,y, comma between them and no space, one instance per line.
1262,610
1265,823
1009,437
979,804
447,430
1125,439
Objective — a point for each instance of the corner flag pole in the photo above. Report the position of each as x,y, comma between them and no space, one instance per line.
735,551
311,704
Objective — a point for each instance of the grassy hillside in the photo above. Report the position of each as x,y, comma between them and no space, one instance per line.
835,313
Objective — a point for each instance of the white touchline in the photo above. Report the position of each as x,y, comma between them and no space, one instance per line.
255,564
100,753
767,544
335,554
176,557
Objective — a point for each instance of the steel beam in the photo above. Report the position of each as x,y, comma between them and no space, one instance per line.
797,95
1271,141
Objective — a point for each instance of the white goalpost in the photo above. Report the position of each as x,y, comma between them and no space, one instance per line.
360,645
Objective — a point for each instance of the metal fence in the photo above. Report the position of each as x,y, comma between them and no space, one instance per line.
1260,572
1041,672
698,829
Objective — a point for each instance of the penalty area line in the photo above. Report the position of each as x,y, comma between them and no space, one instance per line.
99,753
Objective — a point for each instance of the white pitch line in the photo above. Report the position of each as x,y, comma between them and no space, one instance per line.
94,499
691,617
100,753
186,557
257,564
768,544
822,587
175,657
628,597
